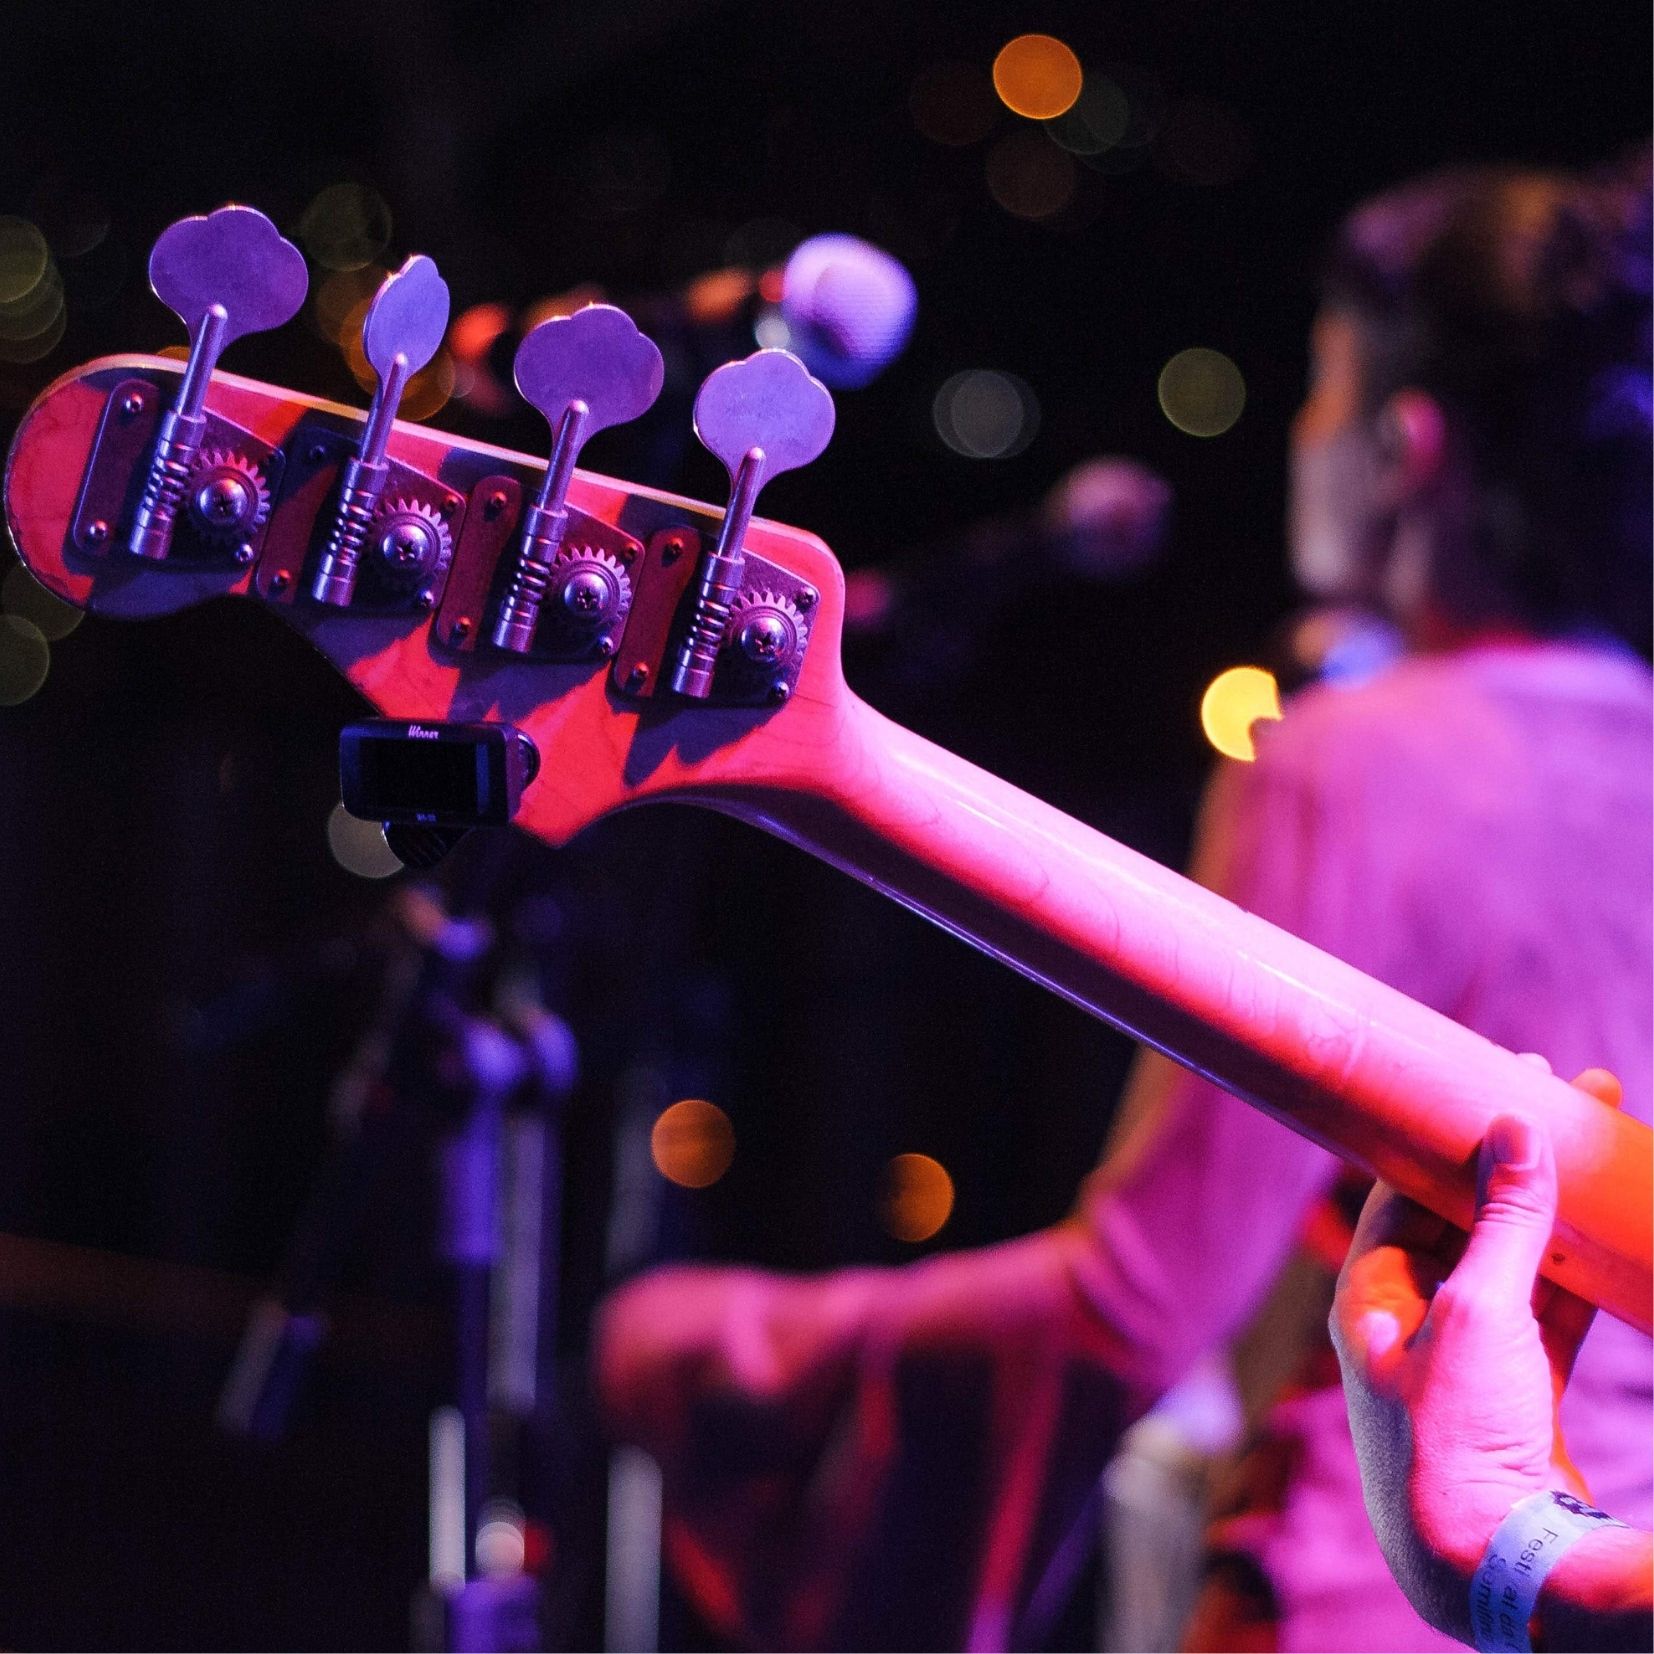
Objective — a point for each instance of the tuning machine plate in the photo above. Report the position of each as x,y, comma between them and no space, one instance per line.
747,672
410,540
596,560
224,518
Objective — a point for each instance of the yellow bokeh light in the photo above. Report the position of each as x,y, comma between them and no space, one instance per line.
1202,392
25,659
21,594
24,258
1233,702
918,1197
692,1143
1038,76
345,226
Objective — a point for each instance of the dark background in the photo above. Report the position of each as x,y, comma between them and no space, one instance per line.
182,964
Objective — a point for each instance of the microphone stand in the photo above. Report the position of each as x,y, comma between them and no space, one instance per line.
498,1083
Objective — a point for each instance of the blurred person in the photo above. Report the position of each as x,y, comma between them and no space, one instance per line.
905,1457
1453,1363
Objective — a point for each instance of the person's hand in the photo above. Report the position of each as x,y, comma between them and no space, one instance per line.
1454,1364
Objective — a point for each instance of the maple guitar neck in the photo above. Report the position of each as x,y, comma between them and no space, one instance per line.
1390,1086
1394,1088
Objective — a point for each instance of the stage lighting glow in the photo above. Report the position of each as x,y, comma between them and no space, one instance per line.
25,659
692,1143
359,846
429,389
1233,702
1099,119
502,1546
340,292
1038,76
1029,177
917,1198
984,414
21,594
24,258
345,226
953,104
1202,392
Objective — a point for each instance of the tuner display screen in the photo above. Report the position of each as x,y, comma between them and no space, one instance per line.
407,777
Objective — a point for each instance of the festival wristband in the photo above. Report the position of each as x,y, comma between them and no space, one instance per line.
1524,1548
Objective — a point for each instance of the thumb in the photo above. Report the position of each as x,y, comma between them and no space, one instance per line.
1515,1212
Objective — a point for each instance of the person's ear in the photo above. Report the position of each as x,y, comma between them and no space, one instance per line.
1412,443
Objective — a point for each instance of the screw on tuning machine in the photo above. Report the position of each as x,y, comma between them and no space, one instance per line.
403,327
223,275
761,417
584,373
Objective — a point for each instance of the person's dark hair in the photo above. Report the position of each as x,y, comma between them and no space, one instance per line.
1519,299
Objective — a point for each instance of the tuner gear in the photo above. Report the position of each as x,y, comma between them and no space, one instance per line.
410,540
589,593
764,636
228,498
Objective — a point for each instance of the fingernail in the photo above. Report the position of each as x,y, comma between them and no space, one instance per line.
1512,1142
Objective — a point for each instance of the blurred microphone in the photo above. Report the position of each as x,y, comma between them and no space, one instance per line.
1105,521
843,305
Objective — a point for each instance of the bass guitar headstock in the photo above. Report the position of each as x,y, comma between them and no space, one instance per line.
646,646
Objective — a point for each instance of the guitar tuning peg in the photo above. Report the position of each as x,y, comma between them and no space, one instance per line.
223,275
584,373
401,332
761,416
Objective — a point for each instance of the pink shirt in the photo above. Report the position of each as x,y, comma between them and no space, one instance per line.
904,1458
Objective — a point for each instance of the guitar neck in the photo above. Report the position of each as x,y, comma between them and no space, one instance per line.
1394,1088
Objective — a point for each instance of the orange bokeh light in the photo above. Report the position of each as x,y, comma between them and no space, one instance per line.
918,1197
1038,76
692,1143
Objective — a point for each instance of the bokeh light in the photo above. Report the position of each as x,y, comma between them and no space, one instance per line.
359,846
953,104
1098,120
338,293
25,659
429,389
345,226
984,414
1233,702
501,1543
1029,177
21,594
24,258
692,1143
917,1198
1038,76
1202,392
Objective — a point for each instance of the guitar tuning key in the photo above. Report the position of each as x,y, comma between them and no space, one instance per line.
761,416
223,275
584,373
401,332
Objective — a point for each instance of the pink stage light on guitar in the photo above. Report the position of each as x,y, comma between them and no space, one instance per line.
721,685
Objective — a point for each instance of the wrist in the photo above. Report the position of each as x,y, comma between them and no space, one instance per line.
1596,1602
1600,1594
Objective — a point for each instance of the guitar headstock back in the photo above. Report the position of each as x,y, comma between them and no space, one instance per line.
594,695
